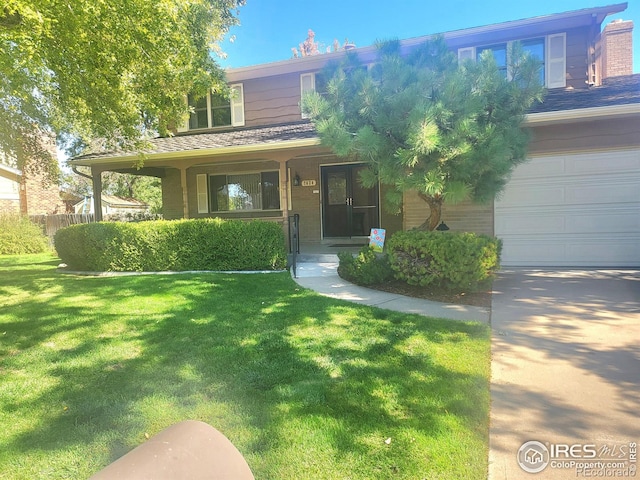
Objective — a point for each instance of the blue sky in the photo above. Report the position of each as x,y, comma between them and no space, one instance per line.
270,28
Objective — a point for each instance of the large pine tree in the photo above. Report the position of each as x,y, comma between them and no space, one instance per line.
425,123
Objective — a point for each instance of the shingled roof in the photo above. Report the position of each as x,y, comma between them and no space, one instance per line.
613,92
238,137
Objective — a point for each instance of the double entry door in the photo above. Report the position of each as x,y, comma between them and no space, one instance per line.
349,209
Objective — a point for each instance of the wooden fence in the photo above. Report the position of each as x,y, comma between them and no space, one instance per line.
52,223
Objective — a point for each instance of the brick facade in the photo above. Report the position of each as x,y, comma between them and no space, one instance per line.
40,198
9,206
617,49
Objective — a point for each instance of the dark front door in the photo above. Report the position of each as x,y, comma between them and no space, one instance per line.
349,209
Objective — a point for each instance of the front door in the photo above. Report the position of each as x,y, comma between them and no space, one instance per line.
349,209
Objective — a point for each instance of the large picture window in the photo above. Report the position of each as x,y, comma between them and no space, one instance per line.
246,191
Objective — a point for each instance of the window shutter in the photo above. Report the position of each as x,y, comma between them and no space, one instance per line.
185,125
237,105
467,53
201,189
556,61
307,84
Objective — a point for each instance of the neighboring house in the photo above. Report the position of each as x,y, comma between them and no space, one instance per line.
111,205
9,189
575,203
27,194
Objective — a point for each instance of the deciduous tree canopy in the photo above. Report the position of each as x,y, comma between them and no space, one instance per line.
112,70
424,123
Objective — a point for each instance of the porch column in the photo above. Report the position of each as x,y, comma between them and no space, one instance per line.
185,193
96,180
284,196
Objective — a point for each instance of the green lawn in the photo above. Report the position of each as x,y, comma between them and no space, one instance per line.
304,386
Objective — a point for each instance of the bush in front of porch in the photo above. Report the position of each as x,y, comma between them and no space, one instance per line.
179,245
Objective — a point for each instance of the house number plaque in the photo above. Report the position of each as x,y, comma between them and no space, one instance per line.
308,183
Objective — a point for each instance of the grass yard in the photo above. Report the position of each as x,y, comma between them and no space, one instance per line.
303,385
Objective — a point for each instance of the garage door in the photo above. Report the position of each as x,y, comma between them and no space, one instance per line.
572,210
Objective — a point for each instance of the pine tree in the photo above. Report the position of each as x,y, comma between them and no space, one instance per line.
424,123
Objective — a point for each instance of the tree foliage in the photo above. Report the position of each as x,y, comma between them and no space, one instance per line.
424,123
113,70
125,185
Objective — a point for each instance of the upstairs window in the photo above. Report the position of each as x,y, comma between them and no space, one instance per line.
199,117
549,50
499,54
536,49
215,110
318,82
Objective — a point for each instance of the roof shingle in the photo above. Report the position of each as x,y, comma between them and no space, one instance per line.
237,137
613,92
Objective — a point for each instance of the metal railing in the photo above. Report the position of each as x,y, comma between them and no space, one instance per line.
294,241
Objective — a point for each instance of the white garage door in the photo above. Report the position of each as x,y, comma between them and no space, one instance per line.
572,210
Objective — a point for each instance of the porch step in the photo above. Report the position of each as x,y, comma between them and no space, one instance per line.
315,258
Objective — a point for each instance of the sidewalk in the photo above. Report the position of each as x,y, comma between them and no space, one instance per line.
323,278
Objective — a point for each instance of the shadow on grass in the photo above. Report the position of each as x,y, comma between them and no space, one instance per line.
289,376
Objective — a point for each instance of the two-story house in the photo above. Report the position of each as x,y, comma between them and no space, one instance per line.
576,201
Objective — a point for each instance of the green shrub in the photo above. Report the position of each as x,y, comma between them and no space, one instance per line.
445,259
19,236
366,268
205,244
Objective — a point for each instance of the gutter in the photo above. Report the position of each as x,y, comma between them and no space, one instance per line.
580,114
74,168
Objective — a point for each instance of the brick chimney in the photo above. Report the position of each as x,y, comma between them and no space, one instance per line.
617,49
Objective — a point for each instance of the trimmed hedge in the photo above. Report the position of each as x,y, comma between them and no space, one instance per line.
18,236
366,268
203,244
446,259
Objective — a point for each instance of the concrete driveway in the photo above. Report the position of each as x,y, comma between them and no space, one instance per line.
565,373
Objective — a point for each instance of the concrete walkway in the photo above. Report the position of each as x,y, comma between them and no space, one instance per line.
324,279
565,366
